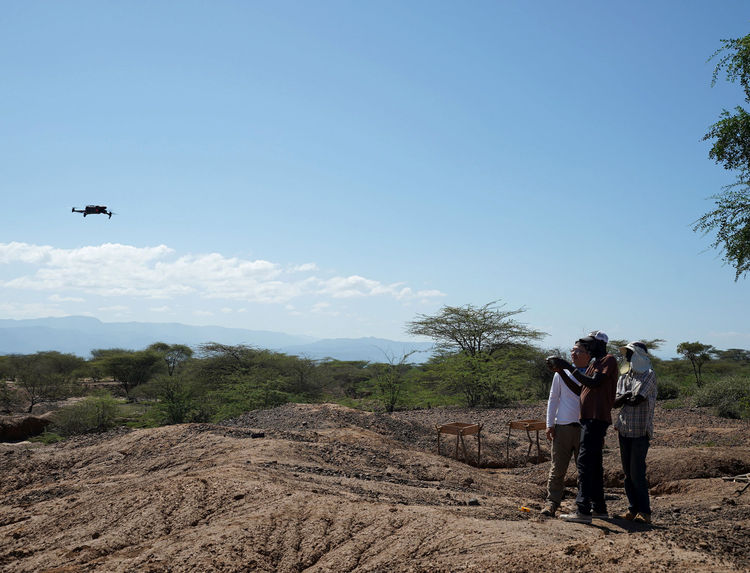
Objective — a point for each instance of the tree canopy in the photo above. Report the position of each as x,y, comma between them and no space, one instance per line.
730,218
474,330
174,354
698,354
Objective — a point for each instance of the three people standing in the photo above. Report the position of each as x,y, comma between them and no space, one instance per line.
600,390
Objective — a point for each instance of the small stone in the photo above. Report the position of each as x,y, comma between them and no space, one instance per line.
715,508
473,501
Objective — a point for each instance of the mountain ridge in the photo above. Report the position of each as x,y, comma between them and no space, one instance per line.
81,334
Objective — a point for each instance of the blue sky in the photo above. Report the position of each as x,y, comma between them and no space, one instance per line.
334,168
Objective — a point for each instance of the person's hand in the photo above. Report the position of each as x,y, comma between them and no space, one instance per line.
621,399
557,364
550,434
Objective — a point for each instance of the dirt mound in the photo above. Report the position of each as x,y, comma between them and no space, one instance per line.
412,429
17,428
345,491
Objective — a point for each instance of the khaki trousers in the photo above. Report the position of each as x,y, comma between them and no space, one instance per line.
564,445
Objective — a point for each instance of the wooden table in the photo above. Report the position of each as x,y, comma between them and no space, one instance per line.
529,426
461,429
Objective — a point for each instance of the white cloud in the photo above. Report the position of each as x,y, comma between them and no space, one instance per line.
116,308
23,253
354,286
58,298
322,308
429,293
114,270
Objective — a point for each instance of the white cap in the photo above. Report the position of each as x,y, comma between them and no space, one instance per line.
600,335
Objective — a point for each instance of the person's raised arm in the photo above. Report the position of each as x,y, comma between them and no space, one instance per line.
563,368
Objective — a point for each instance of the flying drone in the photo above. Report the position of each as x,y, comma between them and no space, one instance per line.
93,210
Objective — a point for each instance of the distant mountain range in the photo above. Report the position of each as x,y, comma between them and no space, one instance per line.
80,334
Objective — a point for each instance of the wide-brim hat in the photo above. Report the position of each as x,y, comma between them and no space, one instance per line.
636,346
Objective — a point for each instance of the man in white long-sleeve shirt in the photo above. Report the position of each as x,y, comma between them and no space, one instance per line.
563,428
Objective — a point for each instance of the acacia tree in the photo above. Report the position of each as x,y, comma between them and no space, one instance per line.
698,354
467,337
473,330
174,354
730,218
733,354
130,368
45,376
303,373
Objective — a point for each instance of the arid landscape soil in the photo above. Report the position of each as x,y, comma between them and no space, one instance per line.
327,488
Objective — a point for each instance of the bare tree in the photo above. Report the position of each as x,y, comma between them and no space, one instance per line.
389,379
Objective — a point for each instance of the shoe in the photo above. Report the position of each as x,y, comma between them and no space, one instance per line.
628,515
550,509
601,514
576,517
643,518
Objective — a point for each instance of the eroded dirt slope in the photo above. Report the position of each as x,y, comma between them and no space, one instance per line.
332,489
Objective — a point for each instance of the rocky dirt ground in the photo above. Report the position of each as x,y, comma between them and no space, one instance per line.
326,488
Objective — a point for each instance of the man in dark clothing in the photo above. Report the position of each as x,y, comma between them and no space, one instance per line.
597,393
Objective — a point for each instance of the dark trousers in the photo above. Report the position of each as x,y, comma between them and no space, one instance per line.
590,467
633,455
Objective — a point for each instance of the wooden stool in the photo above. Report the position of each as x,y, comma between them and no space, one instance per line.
529,426
460,429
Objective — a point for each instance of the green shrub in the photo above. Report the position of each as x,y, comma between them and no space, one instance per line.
47,438
96,413
175,399
729,396
247,393
673,404
667,390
